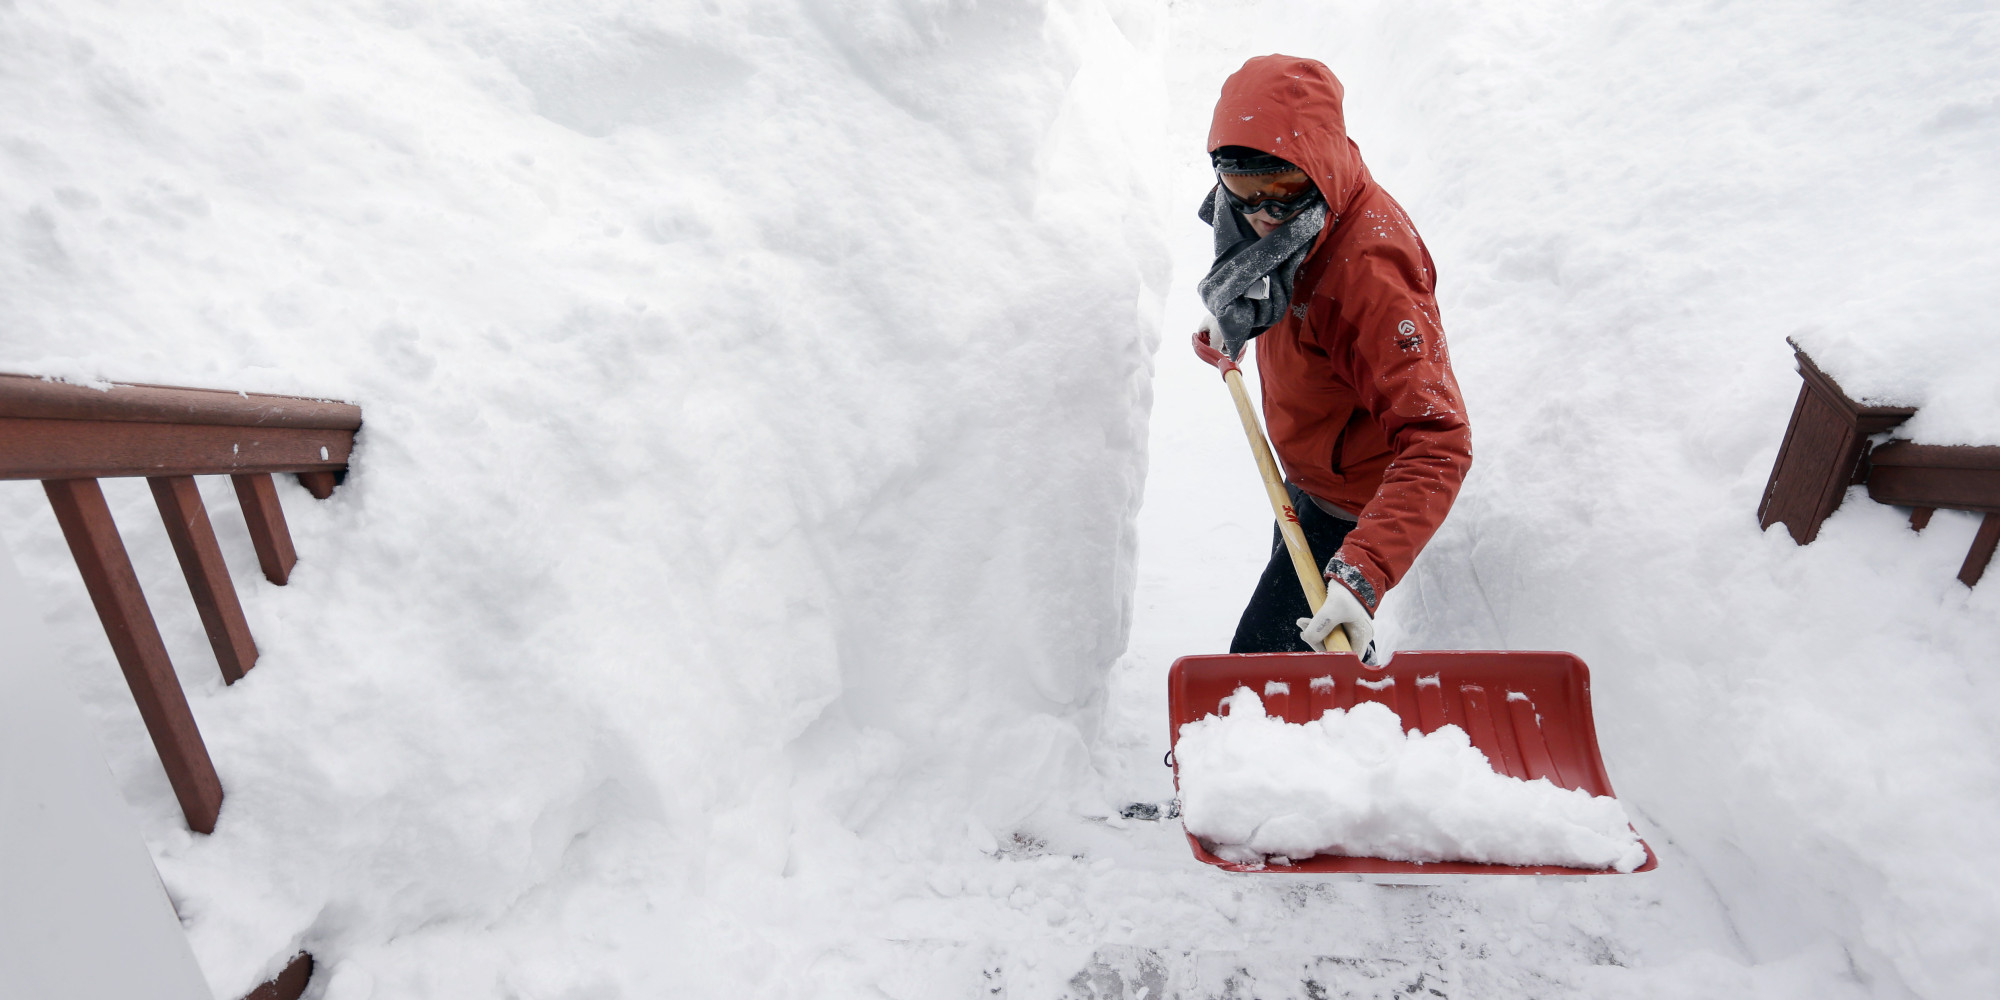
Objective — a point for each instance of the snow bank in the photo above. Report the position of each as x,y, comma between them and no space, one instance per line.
1630,208
1352,782
754,401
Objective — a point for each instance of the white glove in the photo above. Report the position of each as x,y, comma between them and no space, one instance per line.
1212,328
1341,610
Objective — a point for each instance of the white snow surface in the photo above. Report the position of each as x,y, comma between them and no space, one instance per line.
738,590
1254,788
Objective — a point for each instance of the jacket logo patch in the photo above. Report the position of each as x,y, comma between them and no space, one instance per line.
1299,310
1407,338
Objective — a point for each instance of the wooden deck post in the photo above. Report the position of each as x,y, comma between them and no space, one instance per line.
207,575
259,497
1981,553
1823,448
319,484
135,640
290,983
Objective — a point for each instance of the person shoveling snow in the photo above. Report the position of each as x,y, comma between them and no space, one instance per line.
1257,789
1317,264
1321,267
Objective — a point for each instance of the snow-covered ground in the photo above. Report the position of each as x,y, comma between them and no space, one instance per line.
739,590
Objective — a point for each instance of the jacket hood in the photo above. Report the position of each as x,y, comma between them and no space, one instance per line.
1290,107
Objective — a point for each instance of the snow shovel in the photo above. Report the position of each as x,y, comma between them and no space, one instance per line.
1528,712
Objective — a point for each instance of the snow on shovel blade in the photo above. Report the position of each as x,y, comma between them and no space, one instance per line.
1528,712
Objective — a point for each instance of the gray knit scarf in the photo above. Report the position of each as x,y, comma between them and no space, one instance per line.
1250,286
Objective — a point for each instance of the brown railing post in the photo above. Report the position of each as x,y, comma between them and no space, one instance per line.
135,640
259,498
288,984
207,575
1983,545
319,484
1823,447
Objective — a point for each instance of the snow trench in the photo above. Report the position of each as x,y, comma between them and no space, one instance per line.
743,586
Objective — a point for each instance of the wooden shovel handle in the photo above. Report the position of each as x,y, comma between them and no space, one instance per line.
1310,577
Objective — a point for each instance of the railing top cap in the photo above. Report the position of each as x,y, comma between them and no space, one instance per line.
1812,373
34,397
1900,453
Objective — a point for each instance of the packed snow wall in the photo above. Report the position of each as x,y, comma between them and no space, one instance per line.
754,403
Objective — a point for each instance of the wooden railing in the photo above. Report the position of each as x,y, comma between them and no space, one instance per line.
70,436
1925,477
1826,450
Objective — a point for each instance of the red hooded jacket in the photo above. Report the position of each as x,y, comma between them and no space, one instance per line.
1358,391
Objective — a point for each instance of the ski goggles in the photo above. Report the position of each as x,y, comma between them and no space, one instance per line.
1279,196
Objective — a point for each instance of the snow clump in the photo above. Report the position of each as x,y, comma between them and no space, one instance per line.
1352,782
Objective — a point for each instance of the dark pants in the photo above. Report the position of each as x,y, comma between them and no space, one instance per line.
1270,622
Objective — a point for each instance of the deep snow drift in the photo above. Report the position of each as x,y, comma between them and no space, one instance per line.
723,598
753,440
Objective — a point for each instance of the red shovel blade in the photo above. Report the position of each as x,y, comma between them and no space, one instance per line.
1528,712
